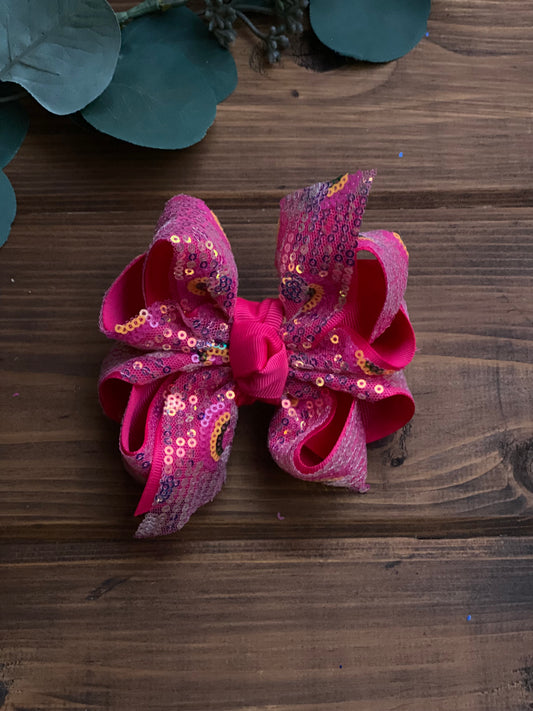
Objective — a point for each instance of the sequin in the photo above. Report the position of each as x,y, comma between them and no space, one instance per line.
215,444
337,185
379,389
132,324
198,286
397,236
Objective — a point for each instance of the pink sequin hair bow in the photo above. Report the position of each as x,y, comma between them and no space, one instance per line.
329,351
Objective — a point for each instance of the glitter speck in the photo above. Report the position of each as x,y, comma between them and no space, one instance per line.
400,154
15,394
280,517
427,34
468,618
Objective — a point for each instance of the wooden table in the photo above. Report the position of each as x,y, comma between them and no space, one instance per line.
416,596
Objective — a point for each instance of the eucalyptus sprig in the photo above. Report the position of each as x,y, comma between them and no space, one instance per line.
153,75
223,15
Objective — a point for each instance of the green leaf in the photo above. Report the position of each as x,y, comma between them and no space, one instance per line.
8,207
64,52
13,127
372,30
186,32
170,75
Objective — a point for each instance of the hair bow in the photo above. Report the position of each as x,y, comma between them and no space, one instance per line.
329,350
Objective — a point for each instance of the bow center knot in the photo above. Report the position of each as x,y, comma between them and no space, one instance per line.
257,352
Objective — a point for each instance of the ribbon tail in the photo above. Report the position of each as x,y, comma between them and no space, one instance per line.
189,433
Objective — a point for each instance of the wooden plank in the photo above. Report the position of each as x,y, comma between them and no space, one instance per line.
457,107
283,595
371,625
464,465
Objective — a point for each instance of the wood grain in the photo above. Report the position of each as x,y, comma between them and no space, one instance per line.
308,625
244,609
467,456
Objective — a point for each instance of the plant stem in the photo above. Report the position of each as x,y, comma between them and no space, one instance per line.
251,25
146,7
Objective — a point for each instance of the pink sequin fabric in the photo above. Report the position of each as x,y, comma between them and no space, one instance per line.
329,351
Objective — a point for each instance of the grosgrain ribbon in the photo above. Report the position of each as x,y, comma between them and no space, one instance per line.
257,352
329,351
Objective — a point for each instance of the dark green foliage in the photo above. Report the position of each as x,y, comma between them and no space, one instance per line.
153,75
373,30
